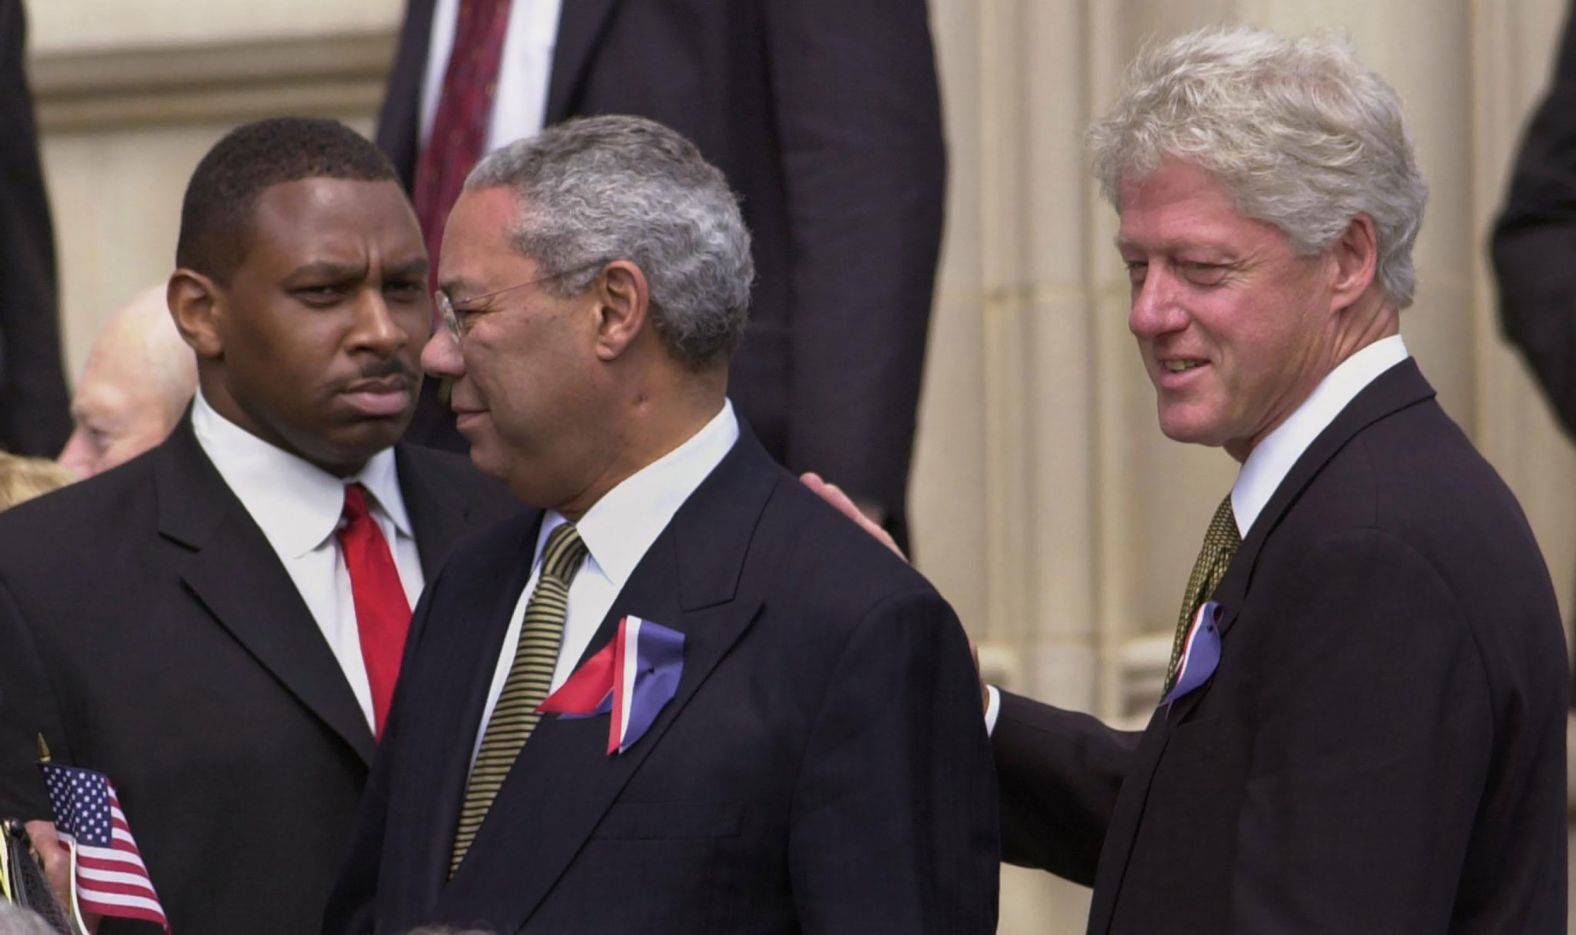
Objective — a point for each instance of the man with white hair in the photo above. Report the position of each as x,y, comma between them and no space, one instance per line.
136,384
1363,725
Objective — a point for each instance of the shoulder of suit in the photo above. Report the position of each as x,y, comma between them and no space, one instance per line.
816,542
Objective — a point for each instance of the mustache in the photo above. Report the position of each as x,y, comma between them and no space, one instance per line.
388,367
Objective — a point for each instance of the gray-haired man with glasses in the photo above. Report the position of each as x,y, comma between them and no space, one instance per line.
686,696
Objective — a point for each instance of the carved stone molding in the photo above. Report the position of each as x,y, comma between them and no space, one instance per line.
230,82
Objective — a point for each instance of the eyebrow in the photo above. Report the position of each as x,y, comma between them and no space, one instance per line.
415,268
327,269
460,288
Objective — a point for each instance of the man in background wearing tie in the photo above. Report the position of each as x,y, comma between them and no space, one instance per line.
824,115
218,624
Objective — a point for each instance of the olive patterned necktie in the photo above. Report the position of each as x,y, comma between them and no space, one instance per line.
1220,544
530,676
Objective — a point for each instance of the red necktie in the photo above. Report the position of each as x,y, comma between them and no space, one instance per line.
382,610
459,127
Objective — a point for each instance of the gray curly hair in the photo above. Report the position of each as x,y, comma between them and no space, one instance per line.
1303,135
605,188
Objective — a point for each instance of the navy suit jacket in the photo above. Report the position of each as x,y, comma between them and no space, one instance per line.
1382,747
823,767
826,119
148,630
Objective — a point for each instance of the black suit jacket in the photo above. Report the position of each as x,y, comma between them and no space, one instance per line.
150,632
1382,747
823,767
1535,238
34,407
825,117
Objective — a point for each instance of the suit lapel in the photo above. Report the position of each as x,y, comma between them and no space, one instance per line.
564,781
1397,388
438,514
235,574
580,24
449,718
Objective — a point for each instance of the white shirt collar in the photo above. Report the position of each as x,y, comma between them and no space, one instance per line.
1270,461
296,504
620,527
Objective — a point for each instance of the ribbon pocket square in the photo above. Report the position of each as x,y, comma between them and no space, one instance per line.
632,678
1200,652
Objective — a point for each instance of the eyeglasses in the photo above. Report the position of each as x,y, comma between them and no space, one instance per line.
459,326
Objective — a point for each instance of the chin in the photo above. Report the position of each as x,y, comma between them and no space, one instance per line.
488,461
1188,431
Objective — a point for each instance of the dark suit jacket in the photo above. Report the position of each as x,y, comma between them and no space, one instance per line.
1535,239
150,632
1382,747
825,117
823,767
34,407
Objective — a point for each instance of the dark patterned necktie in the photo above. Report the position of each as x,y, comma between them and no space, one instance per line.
460,122
530,675
1220,544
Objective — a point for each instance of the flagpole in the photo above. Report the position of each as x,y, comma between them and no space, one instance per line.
78,926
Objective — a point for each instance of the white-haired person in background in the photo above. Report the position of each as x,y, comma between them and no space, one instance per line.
136,384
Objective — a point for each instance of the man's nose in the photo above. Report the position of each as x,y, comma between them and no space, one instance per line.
375,325
441,356
1155,307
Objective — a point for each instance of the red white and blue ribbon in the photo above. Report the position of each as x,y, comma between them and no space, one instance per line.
1200,652
632,678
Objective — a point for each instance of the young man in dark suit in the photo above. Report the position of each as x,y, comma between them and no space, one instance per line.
816,762
212,624
825,116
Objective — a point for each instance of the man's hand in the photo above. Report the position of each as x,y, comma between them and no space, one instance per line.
834,495
57,860
57,865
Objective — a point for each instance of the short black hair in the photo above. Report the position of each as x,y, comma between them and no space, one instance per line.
221,197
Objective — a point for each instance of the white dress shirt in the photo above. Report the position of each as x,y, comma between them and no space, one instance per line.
617,531
1272,458
520,102
299,507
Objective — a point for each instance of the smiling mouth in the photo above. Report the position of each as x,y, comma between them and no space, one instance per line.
1181,366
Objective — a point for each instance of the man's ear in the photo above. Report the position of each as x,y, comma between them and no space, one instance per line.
195,302
1356,262
623,308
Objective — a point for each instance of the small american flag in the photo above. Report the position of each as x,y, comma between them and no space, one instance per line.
110,877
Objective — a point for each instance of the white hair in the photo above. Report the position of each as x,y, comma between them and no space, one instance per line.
1303,135
614,187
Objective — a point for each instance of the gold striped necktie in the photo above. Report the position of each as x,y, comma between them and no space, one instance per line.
1220,544
530,676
